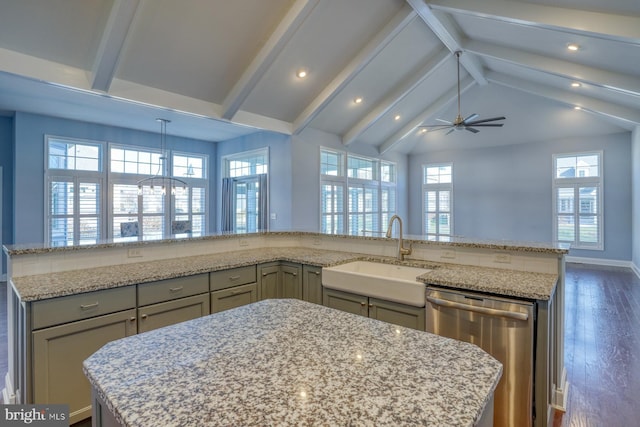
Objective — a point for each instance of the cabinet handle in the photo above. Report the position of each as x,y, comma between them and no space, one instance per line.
232,278
295,274
236,292
179,288
264,274
88,306
144,316
317,273
370,305
132,319
363,303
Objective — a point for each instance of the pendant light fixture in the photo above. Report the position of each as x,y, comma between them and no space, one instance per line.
162,178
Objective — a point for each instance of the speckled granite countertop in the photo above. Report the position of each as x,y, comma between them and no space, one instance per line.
288,362
502,282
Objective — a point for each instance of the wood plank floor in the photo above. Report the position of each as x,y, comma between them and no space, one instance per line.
602,347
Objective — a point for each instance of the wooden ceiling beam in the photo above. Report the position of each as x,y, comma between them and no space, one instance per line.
398,23
296,15
112,42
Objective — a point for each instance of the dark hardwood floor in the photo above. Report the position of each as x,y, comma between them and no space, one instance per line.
602,347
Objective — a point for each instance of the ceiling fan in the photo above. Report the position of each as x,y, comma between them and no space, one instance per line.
469,123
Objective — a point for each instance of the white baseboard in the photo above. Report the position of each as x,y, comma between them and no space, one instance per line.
635,269
598,261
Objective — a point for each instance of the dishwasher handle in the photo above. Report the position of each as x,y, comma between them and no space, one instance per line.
483,310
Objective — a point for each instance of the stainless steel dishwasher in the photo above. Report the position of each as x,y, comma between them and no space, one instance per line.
503,328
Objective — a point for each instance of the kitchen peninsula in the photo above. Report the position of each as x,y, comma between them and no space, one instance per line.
289,362
99,293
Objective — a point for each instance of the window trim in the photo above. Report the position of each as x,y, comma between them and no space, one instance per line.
576,183
448,186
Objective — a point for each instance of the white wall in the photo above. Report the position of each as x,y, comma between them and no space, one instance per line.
635,186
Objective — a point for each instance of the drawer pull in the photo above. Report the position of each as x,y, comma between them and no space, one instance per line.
132,319
363,304
144,316
236,292
317,273
177,289
88,306
232,278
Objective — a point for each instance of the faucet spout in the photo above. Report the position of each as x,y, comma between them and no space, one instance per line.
402,251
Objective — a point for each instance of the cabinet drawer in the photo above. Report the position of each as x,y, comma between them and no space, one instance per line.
170,289
232,277
60,310
233,297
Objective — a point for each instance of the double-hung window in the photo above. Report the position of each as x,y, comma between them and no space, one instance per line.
577,202
74,178
357,193
437,196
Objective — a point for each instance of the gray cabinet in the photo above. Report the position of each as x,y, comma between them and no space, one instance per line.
312,284
387,311
233,297
233,288
171,301
70,329
279,280
167,313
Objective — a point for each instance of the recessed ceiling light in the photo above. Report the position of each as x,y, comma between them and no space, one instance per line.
397,117
423,131
577,107
575,84
573,47
301,74
358,100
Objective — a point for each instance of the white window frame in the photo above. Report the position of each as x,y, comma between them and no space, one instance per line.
252,177
75,176
576,183
106,179
342,180
437,187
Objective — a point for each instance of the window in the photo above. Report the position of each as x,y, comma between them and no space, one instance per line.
80,210
153,206
577,189
367,187
437,193
245,192
74,192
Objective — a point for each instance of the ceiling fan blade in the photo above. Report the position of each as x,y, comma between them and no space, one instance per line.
445,121
450,130
471,117
494,125
493,119
471,129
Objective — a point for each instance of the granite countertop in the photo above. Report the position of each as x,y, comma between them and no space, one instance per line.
536,286
289,362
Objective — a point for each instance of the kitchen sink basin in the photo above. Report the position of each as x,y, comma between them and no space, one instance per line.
374,279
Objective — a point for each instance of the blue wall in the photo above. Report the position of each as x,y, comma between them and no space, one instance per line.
506,192
30,131
635,186
6,162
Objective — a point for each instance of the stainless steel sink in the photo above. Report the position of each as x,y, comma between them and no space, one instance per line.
374,279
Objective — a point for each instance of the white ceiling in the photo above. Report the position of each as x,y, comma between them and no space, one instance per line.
221,69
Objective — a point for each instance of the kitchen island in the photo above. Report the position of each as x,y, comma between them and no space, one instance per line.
289,362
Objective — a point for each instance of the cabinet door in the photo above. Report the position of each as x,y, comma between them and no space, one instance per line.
345,301
269,281
291,275
233,297
171,312
398,314
312,284
58,353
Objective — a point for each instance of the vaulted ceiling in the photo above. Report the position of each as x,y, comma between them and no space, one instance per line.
221,69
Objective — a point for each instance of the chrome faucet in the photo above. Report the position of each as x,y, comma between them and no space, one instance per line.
402,251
